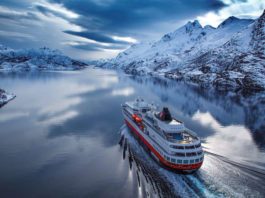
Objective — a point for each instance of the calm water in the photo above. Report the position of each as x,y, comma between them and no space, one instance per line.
59,137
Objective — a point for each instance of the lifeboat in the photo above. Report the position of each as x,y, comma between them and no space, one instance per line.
139,121
137,118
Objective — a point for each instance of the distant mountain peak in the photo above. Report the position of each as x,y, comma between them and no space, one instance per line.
191,26
194,24
229,20
234,20
209,27
188,28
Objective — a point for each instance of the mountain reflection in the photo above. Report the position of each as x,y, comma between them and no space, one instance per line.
98,111
225,107
62,118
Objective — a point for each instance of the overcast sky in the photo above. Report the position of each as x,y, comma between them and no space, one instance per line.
93,29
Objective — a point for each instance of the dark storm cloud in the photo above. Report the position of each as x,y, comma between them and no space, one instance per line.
88,47
96,36
98,20
129,16
96,47
16,3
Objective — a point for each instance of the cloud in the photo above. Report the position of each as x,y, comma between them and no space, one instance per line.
16,34
8,13
127,91
96,36
95,46
129,17
55,9
102,28
16,4
124,22
239,8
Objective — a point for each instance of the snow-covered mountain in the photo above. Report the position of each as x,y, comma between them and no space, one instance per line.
230,57
5,97
36,59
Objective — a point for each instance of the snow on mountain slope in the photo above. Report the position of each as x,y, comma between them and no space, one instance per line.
230,57
127,57
36,59
237,64
5,97
173,48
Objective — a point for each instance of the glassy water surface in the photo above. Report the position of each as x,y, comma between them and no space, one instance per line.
59,137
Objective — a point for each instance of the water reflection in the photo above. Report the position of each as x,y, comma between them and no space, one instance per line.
60,134
232,141
94,110
225,108
123,92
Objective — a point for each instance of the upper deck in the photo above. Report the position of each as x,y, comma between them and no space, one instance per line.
173,131
139,105
166,126
181,138
170,126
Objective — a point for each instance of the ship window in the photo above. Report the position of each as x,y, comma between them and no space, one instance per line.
191,154
180,154
168,159
201,158
174,136
198,145
191,161
197,160
173,160
179,161
185,161
145,110
189,147
177,147
199,152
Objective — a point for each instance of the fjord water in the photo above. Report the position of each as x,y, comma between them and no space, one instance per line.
59,137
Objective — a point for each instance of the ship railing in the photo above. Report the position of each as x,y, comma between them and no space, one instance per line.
192,133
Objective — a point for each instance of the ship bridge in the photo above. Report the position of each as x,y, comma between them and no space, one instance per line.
139,105
167,123
173,126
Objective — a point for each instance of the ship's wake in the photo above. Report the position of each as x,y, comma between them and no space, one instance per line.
218,177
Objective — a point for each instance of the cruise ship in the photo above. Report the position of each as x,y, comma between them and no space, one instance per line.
166,138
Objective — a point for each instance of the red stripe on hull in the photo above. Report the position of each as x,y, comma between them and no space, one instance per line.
181,167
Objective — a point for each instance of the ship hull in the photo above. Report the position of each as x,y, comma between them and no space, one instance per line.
177,167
